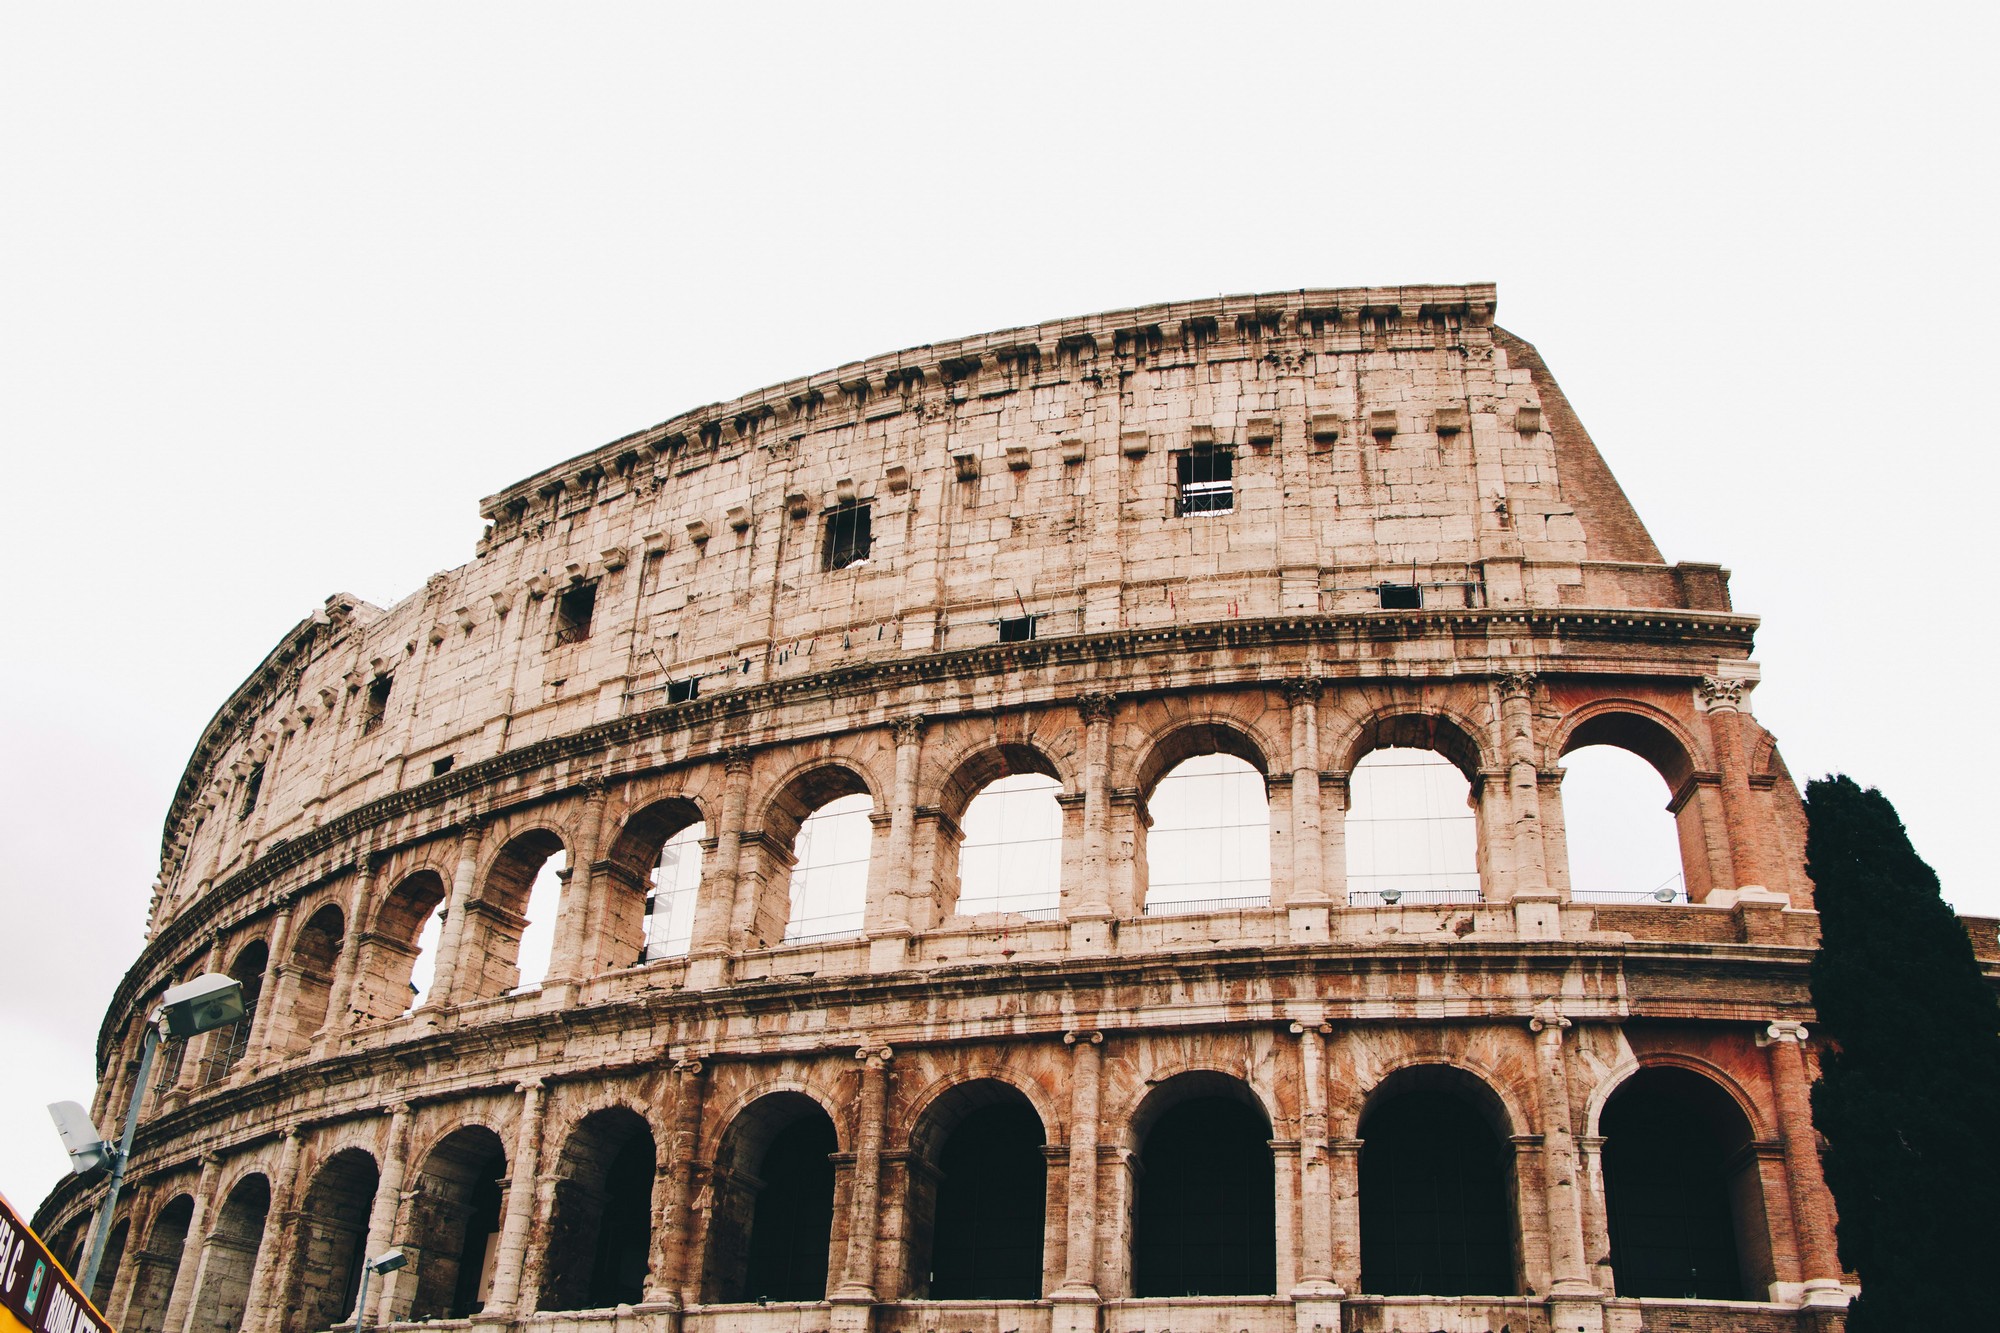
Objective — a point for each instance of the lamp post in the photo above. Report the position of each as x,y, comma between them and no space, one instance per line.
187,1010
387,1262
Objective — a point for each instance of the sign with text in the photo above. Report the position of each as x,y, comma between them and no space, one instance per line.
36,1295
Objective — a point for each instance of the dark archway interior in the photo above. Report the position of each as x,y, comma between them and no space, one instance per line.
1204,1223
987,1239
601,1233
455,1220
224,1295
791,1222
333,1235
1673,1144
114,1254
159,1263
1434,1191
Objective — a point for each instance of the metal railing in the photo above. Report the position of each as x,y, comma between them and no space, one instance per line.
1195,906
1412,897
1668,892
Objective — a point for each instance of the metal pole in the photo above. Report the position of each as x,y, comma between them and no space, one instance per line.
104,1210
361,1297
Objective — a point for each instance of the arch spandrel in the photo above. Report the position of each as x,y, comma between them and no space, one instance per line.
1355,724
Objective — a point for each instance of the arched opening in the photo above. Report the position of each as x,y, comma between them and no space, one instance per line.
231,1258
401,953
601,1231
159,1264
1631,819
332,1242
107,1272
829,884
315,958
1436,1189
651,877
1011,857
1681,1192
516,929
771,1224
229,1045
454,1223
1204,1216
675,882
1412,834
977,1194
1208,842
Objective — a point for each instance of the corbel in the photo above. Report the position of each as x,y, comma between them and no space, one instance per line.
1072,450
1262,432
1450,419
739,518
966,465
1528,418
614,557
896,478
1019,458
698,531
797,505
1382,423
1326,428
1134,443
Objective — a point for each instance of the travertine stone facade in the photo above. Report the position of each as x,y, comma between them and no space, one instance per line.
671,630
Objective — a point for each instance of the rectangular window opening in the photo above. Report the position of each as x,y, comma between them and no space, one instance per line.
573,611
376,706
683,691
1017,629
1401,597
440,767
848,537
1207,480
253,786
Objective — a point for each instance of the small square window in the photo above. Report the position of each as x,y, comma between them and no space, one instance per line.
848,537
573,611
1207,482
683,691
440,767
1017,629
1401,597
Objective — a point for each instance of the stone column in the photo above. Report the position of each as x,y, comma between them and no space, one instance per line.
1573,1301
1536,912
340,1001
1076,1299
567,961
1306,898
1315,1171
1596,1218
382,1213
262,1047
892,911
715,900
264,1306
1333,836
1722,698
672,1284
1812,1204
511,1258
194,1250
451,940
1090,914
1345,1162
854,1295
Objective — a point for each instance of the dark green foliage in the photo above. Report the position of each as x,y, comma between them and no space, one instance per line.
1908,1098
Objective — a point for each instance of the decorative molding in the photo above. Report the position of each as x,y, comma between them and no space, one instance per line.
1720,694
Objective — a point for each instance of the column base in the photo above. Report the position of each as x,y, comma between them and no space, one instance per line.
889,952
1538,918
1576,1307
1091,935
853,1310
1316,1307
708,971
1825,1293
1075,1310
1310,923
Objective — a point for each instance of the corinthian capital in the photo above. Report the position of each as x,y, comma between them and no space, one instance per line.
1721,694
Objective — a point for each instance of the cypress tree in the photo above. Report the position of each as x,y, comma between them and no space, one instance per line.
1908,1098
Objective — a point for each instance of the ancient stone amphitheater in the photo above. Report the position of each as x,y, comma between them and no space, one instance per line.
896,851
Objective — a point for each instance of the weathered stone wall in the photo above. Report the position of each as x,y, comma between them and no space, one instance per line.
435,753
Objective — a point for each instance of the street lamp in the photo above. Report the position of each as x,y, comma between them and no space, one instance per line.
189,1009
382,1264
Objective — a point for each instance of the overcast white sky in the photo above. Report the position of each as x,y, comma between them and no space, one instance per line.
285,289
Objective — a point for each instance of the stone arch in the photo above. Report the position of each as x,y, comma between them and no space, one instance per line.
114,1256
158,1264
227,1046
1170,748
1673,752
770,1226
626,878
977,1193
312,962
809,787
1439,1194
600,1229
941,836
1619,1074
392,951
1683,1197
501,912
454,1221
331,1241
1411,726
1204,1206
230,1253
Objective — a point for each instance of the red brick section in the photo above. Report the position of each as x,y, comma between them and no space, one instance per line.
1812,1202
1611,527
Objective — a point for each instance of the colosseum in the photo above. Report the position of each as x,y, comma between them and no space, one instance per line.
918,848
